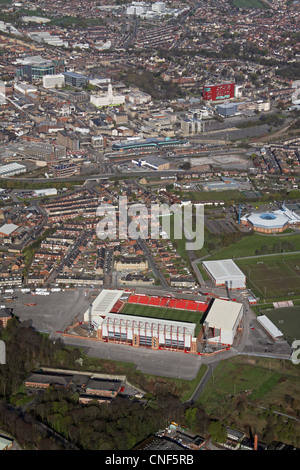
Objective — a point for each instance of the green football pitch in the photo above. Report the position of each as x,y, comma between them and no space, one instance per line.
273,276
287,320
164,313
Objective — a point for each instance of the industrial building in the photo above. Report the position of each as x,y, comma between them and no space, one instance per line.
45,192
25,88
222,322
271,222
45,37
11,169
42,151
7,232
225,273
153,162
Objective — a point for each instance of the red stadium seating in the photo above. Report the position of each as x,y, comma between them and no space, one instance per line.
144,300
181,304
117,307
154,301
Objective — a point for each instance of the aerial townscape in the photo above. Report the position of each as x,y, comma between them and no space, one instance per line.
150,227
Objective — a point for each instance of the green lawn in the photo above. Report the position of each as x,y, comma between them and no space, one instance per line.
164,313
248,245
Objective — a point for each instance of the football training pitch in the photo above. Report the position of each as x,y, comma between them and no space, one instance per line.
287,320
272,276
164,313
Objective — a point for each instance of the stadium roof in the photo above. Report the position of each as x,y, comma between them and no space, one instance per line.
105,301
223,314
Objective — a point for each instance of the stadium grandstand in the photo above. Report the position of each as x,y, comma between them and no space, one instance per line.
168,302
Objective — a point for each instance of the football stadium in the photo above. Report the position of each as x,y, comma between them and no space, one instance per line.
161,322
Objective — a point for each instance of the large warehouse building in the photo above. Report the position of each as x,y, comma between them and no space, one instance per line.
11,169
224,272
222,321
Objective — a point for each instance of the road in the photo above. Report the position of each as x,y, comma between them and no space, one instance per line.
156,271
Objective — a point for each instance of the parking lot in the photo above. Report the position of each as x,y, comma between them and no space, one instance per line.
53,312
159,363
260,343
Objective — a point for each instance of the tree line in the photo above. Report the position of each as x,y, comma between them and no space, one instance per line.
54,418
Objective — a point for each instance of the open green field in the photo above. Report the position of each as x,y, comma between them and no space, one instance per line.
164,313
204,196
255,244
241,384
272,276
287,320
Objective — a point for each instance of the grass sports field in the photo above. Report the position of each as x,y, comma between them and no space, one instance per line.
272,276
164,313
287,320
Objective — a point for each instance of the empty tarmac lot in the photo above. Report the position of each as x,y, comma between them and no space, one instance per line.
53,312
159,363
